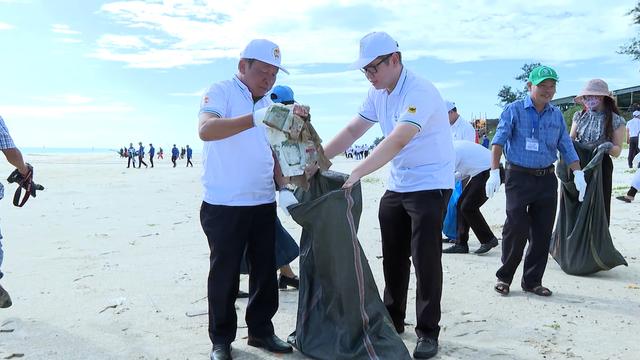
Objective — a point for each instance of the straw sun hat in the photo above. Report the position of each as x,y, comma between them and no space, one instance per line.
595,87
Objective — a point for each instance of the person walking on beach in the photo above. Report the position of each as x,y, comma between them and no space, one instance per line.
530,132
160,153
174,154
14,157
635,183
633,132
474,161
132,156
413,119
152,153
189,156
600,125
239,211
141,156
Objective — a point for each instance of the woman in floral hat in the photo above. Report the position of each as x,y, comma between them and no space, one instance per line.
600,124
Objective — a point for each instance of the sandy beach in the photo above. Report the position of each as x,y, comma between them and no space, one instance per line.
107,262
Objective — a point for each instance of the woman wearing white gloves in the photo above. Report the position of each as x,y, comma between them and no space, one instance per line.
599,124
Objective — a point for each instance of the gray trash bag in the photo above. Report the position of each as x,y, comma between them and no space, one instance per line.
581,242
340,313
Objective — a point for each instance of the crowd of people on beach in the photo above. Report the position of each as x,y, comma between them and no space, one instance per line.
442,171
432,150
131,154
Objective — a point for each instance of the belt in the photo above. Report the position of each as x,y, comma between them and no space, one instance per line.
535,172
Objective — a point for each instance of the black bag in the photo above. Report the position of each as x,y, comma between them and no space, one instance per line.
581,242
340,313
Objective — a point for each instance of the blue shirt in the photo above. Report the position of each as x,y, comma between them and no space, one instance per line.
520,120
189,153
174,151
5,139
141,151
152,151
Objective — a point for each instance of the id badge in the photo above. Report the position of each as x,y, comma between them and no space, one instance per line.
532,144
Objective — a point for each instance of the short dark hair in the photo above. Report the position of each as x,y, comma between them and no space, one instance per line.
454,109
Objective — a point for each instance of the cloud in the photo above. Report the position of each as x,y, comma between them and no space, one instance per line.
63,29
198,32
62,106
5,26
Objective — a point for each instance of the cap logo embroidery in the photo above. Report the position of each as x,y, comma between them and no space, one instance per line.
412,109
276,53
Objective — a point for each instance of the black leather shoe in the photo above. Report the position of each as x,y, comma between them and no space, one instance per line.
220,352
487,246
270,343
456,249
426,348
5,299
284,281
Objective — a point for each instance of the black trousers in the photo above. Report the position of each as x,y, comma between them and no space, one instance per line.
633,149
151,160
531,211
229,230
131,160
468,211
173,160
141,161
189,162
411,226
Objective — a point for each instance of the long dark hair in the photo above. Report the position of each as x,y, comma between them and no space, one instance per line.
610,108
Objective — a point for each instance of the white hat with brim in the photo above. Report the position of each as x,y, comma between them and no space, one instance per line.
373,45
595,87
636,113
450,105
265,51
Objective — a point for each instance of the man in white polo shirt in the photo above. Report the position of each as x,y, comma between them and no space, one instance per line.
472,161
633,130
460,128
239,208
418,144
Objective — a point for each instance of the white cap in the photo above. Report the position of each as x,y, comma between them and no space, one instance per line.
373,45
450,105
636,113
265,51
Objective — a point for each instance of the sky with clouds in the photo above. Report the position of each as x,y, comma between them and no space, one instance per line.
106,73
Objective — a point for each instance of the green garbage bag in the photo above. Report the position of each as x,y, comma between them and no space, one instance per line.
340,313
581,242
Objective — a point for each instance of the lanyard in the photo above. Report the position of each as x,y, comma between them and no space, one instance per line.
535,124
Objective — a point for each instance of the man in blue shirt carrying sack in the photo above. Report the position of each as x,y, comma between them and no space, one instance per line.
418,144
531,131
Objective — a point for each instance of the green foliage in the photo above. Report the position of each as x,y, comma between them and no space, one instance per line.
568,114
507,95
633,47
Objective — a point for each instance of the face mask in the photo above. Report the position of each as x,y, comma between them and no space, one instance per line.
591,102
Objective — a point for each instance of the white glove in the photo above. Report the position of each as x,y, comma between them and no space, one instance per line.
259,115
581,184
286,199
493,183
635,161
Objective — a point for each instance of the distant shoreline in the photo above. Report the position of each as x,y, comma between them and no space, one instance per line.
65,150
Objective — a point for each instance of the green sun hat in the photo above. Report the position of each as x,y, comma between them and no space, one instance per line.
542,73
